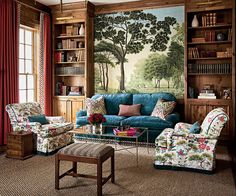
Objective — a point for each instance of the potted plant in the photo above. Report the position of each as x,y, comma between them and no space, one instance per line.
96,121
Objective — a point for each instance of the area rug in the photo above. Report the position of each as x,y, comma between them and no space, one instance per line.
35,176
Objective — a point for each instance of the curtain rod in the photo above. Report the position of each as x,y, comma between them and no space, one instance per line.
29,6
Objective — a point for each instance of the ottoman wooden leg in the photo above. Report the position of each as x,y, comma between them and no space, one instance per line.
99,178
57,169
74,165
112,168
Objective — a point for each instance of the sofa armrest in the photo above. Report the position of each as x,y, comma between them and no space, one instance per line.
81,113
55,119
174,118
30,126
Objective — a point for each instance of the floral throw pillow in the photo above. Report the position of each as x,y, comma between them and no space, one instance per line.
163,108
95,106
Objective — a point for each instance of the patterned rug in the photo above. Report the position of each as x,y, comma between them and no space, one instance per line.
35,176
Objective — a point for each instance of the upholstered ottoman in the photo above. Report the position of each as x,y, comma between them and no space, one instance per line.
86,153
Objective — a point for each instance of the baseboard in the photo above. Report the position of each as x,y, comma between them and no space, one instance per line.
168,167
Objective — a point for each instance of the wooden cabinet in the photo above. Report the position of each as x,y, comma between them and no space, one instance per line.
19,145
198,109
210,60
68,106
73,73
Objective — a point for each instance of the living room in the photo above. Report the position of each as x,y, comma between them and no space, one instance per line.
138,95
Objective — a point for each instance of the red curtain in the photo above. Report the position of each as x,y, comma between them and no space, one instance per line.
9,43
47,66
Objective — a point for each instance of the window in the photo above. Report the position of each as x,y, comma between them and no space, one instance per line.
27,68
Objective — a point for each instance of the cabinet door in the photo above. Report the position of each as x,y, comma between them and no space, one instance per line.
196,112
226,132
60,108
76,105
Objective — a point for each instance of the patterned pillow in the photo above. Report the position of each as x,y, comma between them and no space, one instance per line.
163,108
95,106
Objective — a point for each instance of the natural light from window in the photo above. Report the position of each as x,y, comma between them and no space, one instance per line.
27,76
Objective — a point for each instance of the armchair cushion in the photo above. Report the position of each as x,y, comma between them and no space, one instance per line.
195,128
38,118
51,130
55,119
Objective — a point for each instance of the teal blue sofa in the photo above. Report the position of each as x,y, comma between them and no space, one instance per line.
148,101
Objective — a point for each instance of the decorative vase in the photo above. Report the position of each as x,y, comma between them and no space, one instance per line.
220,37
195,22
97,128
81,30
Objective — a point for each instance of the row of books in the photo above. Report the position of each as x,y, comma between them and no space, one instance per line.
71,43
70,70
209,19
224,68
193,53
210,35
72,30
229,34
65,90
75,56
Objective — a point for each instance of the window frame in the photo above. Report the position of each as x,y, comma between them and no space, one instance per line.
34,60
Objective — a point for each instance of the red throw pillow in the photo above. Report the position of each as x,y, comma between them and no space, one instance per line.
129,110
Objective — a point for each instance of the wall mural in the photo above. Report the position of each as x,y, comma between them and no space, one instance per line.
140,51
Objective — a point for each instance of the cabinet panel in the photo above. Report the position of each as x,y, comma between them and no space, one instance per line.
196,112
59,108
76,106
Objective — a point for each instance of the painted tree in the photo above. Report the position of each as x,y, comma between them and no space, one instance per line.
155,68
131,31
104,56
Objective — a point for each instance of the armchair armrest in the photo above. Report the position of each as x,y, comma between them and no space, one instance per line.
164,139
174,118
55,119
30,126
81,113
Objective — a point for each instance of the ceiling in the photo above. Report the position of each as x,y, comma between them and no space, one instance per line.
96,2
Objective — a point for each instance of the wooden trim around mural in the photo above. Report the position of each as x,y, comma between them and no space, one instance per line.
136,5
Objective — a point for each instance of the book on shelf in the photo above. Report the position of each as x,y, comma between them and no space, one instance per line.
74,93
206,97
210,35
230,34
222,68
206,91
69,30
193,53
209,19
207,94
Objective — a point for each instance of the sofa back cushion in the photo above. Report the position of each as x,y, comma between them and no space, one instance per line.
19,112
112,101
148,101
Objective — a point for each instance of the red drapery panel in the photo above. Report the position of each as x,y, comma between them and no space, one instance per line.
9,43
47,66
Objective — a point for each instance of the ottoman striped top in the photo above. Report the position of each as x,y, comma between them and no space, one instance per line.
85,150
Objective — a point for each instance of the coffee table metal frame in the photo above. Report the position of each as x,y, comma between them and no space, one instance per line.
86,131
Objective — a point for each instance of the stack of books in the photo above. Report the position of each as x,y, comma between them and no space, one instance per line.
127,132
207,93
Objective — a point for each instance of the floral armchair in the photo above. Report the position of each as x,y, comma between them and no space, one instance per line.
49,137
178,148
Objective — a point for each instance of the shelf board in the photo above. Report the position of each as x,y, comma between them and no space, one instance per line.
211,27
65,75
70,36
212,100
210,58
69,96
70,49
213,42
202,74
79,62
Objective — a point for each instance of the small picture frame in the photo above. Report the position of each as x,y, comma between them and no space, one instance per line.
226,93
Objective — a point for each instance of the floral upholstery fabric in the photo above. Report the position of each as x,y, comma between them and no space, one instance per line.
50,136
179,148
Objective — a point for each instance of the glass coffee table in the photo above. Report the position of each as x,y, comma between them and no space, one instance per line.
106,135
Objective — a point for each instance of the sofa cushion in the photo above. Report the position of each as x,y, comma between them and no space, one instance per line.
163,108
147,121
51,130
110,120
95,105
129,110
148,101
112,101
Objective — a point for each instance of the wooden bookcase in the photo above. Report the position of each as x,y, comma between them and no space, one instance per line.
210,60
73,58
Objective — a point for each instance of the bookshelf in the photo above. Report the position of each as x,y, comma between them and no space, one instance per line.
73,58
210,61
